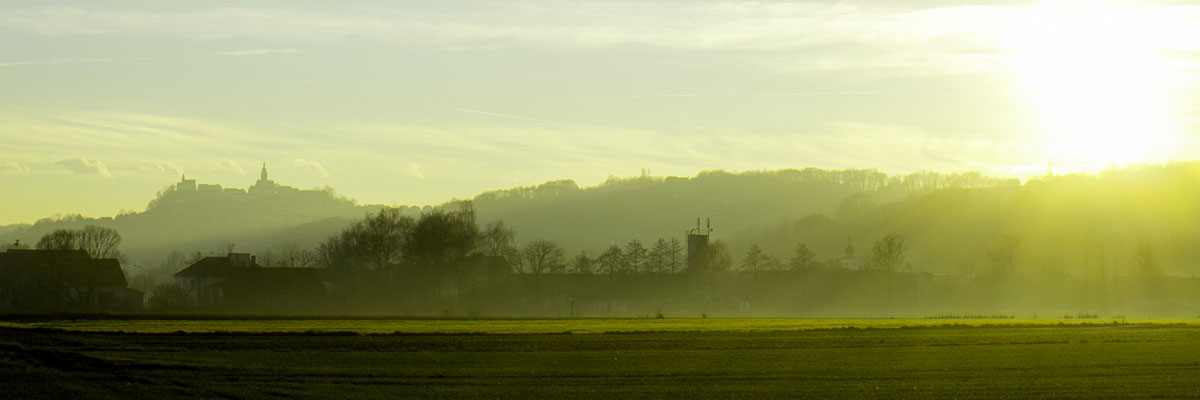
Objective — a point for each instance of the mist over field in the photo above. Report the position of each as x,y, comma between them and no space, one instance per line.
806,242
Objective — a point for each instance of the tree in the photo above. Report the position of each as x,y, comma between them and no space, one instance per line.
289,255
581,264
375,242
96,241
674,255
497,241
888,252
1004,257
1145,263
803,259
60,239
609,261
659,257
440,240
169,297
755,260
542,257
714,258
635,256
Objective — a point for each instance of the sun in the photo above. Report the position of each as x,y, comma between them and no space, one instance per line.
1099,83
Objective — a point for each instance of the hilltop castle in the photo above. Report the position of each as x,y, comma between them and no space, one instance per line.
264,186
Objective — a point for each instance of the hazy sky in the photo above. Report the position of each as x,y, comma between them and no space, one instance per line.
104,103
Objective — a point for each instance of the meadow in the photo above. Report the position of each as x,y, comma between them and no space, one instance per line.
593,358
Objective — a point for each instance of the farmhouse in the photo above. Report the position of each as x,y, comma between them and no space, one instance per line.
63,281
237,283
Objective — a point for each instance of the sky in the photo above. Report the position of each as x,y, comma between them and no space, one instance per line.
103,104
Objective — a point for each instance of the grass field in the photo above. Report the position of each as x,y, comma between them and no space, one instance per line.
713,358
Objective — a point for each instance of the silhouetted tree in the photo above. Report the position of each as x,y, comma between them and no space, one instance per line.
674,257
635,256
497,241
803,259
755,260
888,252
372,243
658,259
542,257
59,239
96,241
288,255
715,258
581,264
169,297
1145,263
609,262
440,241
1004,258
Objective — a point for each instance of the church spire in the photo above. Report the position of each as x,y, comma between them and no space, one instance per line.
263,176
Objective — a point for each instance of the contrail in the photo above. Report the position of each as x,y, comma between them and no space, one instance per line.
499,115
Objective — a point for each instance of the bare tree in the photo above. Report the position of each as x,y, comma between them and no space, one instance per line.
658,260
99,242
374,242
635,256
888,252
1145,263
609,262
803,259
542,257
755,260
497,240
581,264
60,239
674,255
1005,256
96,241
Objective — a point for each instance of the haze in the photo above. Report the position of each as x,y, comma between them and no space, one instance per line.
418,103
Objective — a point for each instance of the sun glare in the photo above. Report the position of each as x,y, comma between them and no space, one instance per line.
1099,83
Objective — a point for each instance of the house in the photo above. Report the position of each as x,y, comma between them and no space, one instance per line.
237,283
63,281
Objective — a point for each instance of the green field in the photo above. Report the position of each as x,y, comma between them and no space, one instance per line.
597,358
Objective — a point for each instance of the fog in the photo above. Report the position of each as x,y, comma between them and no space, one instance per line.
817,243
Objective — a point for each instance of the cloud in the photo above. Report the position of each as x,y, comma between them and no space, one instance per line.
13,167
159,167
413,170
230,166
52,62
312,165
84,166
942,36
256,52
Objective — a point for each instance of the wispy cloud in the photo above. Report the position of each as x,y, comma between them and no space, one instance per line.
84,166
159,167
933,36
230,166
256,52
313,166
413,170
52,62
13,167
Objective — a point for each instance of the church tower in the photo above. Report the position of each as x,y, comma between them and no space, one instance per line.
264,185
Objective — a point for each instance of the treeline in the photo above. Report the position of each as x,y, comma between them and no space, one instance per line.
650,207
1092,226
